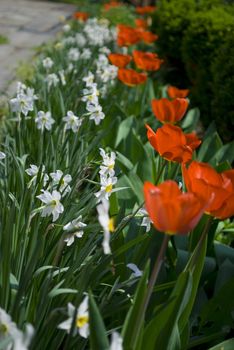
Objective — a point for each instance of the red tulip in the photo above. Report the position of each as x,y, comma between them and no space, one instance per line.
169,111
172,211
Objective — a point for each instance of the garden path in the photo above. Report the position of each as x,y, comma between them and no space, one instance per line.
27,24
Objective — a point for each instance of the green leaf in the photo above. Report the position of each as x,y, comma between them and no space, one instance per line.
125,128
225,345
133,324
98,337
209,147
190,121
163,332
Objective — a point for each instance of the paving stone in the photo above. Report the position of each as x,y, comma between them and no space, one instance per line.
27,24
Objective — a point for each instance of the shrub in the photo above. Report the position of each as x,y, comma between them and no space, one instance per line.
200,46
222,70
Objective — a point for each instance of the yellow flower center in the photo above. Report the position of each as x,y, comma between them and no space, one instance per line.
111,166
111,226
53,203
4,328
81,321
109,188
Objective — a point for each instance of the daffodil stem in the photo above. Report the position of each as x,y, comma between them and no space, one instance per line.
156,270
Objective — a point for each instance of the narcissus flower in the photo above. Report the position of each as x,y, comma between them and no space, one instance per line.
130,77
147,60
145,9
207,183
81,319
167,111
172,144
52,204
127,35
81,16
148,37
119,60
174,92
172,211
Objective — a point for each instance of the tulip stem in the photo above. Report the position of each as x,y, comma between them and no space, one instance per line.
156,270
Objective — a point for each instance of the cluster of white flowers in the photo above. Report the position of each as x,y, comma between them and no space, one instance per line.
72,121
98,33
90,96
9,331
24,100
57,187
107,181
73,54
105,71
107,175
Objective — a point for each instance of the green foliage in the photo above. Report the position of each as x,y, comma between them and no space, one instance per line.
120,14
201,45
222,69
196,37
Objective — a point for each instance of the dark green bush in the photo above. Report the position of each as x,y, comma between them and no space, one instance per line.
201,45
191,33
222,70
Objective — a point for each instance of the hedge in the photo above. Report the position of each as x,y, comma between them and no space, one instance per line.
191,34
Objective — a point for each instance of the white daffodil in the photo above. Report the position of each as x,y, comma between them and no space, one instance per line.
47,63
72,121
33,172
21,104
71,226
8,330
89,79
52,80
134,268
61,180
73,54
81,319
52,204
107,184
90,95
80,40
95,113
66,28
62,77
106,223
105,50
108,164
86,54
2,155
116,341
146,221
44,120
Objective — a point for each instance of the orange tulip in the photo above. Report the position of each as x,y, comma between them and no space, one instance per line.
172,144
112,4
227,208
81,16
174,92
169,111
201,179
141,23
127,35
172,211
147,60
130,77
145,9
119,60
148,37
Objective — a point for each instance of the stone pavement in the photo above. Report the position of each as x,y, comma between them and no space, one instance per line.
27,24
